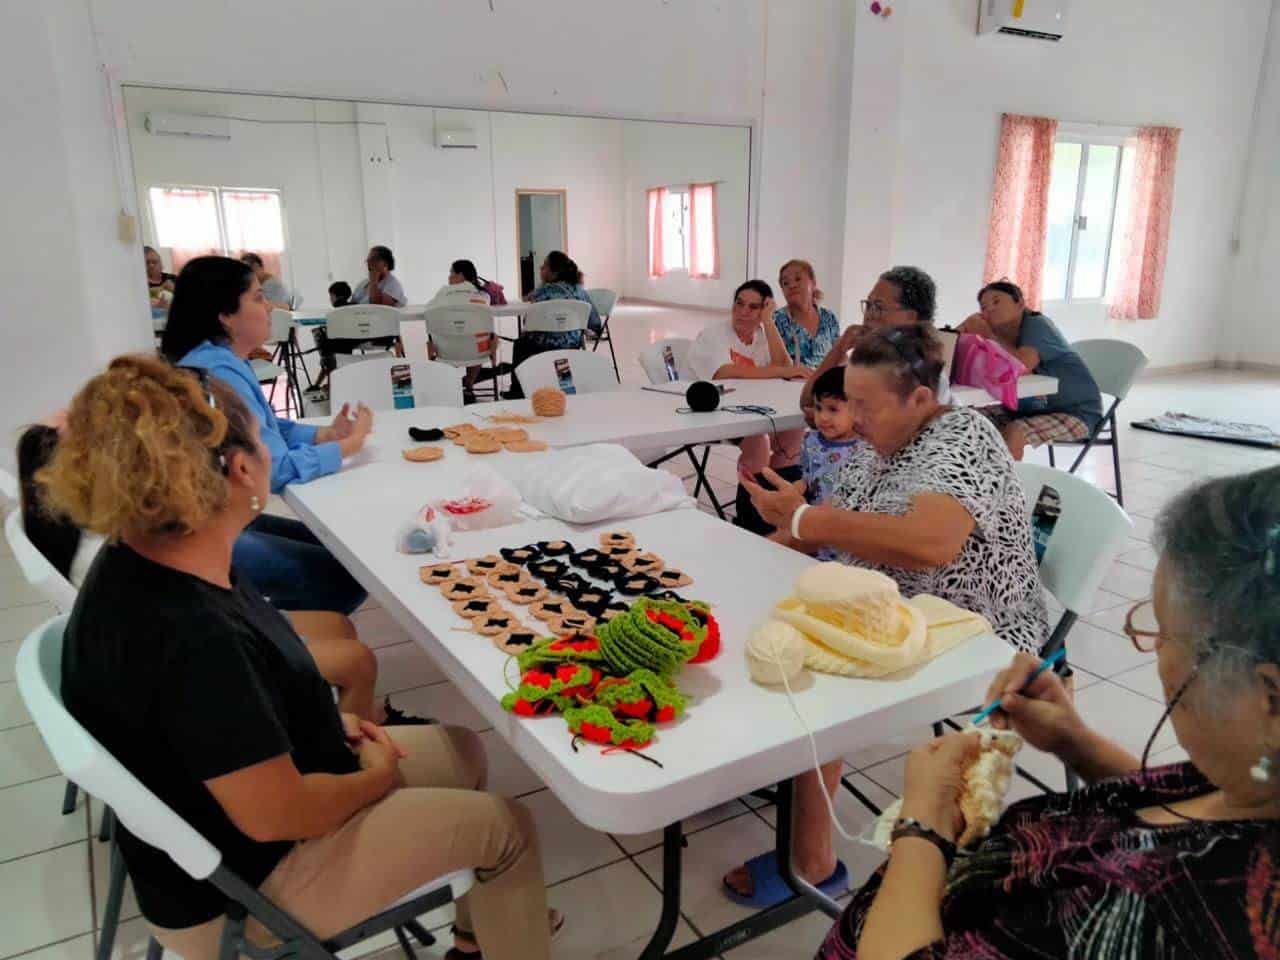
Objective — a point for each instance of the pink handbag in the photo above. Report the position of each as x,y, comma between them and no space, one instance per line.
980,362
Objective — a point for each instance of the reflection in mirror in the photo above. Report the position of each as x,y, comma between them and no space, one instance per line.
649,211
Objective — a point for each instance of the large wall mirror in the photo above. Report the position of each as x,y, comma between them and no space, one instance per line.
654,211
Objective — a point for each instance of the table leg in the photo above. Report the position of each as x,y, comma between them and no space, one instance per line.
672,851
806,890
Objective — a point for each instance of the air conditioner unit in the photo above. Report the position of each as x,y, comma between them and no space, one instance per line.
188,125
456,139
1040,19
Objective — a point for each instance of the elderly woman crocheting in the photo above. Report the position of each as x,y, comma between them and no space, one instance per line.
929,498
1173,861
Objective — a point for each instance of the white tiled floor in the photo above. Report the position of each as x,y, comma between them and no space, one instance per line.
52,873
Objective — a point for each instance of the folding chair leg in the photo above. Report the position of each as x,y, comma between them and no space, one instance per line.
861,797
1051,460
107,826
1073,779
1115,458
111,909
405,945
154,950
69,798
419,933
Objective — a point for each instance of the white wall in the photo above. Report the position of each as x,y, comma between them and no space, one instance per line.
1147,61
279,145
74,293
662,155
1249,320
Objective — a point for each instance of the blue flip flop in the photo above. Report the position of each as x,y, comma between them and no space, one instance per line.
768,889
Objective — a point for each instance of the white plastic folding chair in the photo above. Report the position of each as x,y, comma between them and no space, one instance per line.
557,316
8,486
362,328
1115,364
85,761
36,568
463,335
591,372
369,382
653,360
604,301
1090,531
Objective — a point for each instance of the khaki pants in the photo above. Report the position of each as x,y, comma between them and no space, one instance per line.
436,823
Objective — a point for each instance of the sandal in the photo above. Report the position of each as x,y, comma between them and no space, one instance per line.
768,889
557,924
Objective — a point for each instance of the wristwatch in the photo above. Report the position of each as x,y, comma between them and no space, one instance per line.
911,827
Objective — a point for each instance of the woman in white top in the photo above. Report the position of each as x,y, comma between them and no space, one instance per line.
465,286
749,348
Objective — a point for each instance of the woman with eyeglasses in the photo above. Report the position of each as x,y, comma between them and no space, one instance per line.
1179,860
929,498
219,317
902,297
206,694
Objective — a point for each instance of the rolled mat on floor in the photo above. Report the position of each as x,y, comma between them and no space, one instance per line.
1204,428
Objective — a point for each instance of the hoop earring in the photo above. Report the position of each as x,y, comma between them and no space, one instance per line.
255,504
1261,771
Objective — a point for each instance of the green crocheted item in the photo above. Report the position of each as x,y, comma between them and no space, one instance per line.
542,692
578,648
599,725
643,695
657,635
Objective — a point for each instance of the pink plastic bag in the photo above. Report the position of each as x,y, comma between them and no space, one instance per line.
980,362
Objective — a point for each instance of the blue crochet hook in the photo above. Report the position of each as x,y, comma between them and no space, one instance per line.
1045,664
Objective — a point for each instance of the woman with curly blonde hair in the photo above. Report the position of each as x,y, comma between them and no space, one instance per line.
206,694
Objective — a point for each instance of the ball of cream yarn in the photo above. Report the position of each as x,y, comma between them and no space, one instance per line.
548,402
775,650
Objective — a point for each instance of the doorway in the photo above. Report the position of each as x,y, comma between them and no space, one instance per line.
542,225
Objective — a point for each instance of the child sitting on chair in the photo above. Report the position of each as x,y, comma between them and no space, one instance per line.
825,449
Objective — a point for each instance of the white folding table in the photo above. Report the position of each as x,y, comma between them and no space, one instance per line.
736,736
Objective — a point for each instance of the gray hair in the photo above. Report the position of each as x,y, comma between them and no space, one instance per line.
1220,542
916,290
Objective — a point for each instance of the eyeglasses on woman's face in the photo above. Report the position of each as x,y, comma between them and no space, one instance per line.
1142,628
878,308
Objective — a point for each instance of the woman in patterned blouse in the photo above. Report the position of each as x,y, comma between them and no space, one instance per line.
930,498
808,330
1179,861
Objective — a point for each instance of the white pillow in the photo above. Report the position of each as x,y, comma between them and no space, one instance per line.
590,484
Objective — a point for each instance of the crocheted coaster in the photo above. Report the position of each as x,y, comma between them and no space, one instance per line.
520,554
501,579
437,574
555,548
599,725
515,641
649,563
587,558
492,624
641,695
526,592
465,587
475,607
617,538
547,570
634,584
580,647
483,566
551,610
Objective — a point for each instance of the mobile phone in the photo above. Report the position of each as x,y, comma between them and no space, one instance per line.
402,386
669,361
1044,518
564,376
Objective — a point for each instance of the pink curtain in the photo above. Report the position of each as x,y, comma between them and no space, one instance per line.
1020,203
657,265
704,231
255,223
1146,239
186,223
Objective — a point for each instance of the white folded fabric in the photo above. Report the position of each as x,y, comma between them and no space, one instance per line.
591,484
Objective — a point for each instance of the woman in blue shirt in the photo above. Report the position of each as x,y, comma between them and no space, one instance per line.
561,280
218,318
808,330
1070,414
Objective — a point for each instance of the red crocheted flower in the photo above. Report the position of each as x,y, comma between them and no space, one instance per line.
536,678
596,734
639,709
710,643
665,715
524,708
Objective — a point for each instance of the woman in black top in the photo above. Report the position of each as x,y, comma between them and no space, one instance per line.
206,694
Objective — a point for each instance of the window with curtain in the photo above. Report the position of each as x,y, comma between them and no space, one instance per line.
683,231
1089,199
195,221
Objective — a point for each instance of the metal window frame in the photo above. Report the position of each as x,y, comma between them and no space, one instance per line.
1081,177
